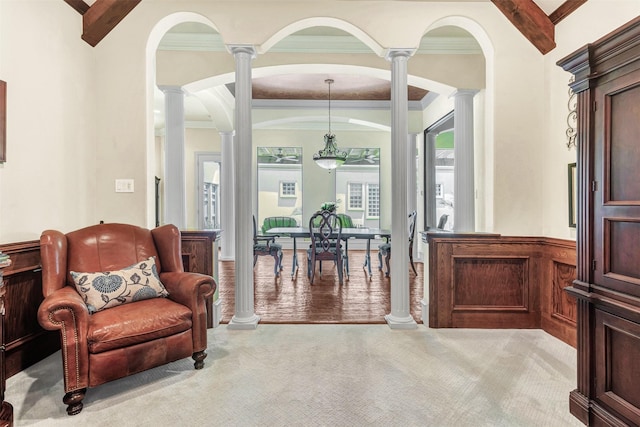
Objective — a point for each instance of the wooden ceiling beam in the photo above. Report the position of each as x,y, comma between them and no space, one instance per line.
531,21
103,16
79,5
565,9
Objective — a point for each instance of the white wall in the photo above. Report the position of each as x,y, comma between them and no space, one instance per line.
49,179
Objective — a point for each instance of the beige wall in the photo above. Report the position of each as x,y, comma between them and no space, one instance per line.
49,179
80,117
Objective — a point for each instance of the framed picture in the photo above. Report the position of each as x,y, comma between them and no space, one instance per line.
3,121
573,195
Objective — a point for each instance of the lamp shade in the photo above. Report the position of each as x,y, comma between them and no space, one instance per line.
330,157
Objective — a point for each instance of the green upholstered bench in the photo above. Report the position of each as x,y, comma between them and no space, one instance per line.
278,221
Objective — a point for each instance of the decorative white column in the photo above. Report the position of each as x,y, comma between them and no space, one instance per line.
244,317
463,169
227,202
430,180
412,184
400,316
175,183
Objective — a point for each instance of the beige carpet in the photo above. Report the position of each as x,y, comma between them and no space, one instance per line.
328,375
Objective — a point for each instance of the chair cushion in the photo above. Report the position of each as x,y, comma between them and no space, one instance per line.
135,323
267,249
384,248
109,289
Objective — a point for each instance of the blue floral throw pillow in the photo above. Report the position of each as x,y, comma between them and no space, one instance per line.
108,289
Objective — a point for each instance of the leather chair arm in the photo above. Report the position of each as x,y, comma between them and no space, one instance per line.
191,290
63,306
64,310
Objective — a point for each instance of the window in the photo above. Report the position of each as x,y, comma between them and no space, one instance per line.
373,201
287,189
355,196
210,208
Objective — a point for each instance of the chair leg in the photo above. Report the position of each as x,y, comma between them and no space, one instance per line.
380,260
255,258
412,265
345,261
199,357
276,266
386,261
339,263
73,400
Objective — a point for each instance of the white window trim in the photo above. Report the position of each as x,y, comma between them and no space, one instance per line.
295,190
368,216
362,196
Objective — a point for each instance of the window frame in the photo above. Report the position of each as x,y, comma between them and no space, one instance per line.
284,193
362,195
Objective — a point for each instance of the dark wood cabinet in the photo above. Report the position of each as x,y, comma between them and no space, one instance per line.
200,255
607,288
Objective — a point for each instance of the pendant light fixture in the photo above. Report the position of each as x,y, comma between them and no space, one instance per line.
330,157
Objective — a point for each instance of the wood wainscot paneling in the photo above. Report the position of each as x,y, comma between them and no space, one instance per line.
26,342
490,281
200,255
558,313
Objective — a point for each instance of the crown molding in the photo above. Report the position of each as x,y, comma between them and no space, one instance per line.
212,42
307,104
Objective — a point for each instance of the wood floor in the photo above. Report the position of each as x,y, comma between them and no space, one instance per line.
283,300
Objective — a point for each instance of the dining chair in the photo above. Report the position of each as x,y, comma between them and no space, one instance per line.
325,231
442,221
384,250
266,245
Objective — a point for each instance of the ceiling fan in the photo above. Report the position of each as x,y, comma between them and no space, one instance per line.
279,156
372,158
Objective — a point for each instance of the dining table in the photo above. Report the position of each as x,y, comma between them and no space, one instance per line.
364,233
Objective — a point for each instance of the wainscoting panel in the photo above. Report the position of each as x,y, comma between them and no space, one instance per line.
492,281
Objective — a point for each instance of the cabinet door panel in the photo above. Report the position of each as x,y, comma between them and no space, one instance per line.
617,371
617,197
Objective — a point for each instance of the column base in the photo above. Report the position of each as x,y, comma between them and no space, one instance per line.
400,322
424,306
217,312
245,323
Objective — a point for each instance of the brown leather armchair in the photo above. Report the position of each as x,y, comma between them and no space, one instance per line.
125,339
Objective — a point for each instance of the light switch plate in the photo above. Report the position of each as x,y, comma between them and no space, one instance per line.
124,185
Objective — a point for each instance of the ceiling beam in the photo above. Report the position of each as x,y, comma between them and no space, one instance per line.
103,16
531,21
565,9
79,5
